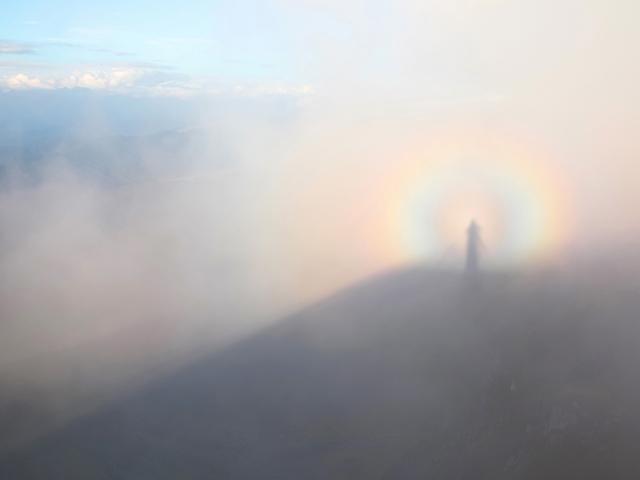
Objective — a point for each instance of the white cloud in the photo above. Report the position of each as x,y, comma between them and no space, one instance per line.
21,81
112,79
144,81
117,79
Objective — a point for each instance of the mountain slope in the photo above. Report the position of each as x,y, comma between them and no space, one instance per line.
412,375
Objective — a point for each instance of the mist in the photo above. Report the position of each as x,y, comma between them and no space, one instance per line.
301,210
126,256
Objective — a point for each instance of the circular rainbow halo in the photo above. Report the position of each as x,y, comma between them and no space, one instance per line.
520,203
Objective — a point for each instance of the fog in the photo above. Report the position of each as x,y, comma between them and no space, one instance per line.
139,236
123,257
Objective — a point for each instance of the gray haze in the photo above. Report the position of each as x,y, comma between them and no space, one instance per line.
207,260
123,255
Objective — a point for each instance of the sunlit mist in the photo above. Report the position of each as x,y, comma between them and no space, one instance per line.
263,224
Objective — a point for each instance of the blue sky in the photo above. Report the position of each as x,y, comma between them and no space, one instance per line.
171,47
184,41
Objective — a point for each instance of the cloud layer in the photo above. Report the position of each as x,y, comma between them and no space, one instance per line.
15,48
